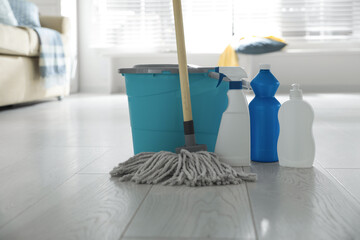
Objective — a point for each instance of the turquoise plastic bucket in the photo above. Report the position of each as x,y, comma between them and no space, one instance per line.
155,106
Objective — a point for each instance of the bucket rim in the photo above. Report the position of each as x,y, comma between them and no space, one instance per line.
160,68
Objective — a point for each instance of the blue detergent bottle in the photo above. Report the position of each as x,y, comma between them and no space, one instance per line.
264,123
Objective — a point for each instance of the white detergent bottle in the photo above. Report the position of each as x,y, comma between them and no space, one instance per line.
296,145
233,141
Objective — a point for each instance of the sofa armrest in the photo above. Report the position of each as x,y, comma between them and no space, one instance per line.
60,24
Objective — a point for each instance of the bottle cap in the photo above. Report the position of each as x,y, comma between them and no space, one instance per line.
295,91
265,66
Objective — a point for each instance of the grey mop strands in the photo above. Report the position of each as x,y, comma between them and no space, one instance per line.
192,164
190,168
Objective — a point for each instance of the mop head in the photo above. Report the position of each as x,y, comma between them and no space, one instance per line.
190,168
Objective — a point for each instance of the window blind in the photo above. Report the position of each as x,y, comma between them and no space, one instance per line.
148,25
298,19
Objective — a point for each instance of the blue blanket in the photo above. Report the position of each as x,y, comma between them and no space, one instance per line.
51,58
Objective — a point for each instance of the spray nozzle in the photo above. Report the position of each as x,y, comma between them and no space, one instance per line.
233,75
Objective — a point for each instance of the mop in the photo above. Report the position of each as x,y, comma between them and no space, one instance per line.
191,165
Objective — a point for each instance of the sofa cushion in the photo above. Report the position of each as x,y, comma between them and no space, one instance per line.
6,14
26,13
21,41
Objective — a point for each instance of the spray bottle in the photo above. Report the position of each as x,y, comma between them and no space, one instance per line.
233,141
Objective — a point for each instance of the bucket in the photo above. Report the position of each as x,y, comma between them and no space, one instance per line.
155,106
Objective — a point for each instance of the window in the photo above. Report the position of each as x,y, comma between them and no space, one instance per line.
148,25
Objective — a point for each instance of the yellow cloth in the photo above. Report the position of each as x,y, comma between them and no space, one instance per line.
228,58
276,39
269,37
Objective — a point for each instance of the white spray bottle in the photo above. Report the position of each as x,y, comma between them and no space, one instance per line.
296,145
233,141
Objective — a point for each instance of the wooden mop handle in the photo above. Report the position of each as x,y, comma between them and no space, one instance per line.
181,53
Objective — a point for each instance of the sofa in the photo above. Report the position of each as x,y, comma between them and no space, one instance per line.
19,63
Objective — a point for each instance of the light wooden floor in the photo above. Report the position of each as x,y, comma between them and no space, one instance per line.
54,164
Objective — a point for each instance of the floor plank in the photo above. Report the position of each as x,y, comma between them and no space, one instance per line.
109,160
183,212
10,155
26,181
349,179
292,203
88,206
335,148
80,121
178,238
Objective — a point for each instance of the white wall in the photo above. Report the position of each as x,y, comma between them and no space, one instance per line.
316,71
321,68
49,7
99,69
94,69
328,71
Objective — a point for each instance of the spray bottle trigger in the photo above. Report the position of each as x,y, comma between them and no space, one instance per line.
221,77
